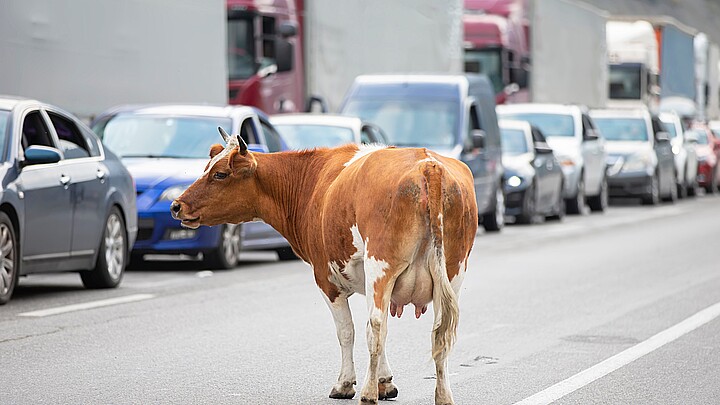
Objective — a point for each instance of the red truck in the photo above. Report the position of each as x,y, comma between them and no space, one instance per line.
265,55
496,44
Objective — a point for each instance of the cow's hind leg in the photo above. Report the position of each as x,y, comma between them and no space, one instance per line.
386,388
345,386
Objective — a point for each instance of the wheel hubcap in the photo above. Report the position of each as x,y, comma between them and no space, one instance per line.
7,252
231,242
114,246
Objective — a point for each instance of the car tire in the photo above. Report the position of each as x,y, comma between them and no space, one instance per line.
227,254
528,207
494,221
598,203
652,197
10,266
112,254
286,253
710,188
558,208
575,205
673,195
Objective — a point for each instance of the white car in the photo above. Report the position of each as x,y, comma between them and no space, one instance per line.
579,148
306,131
683,148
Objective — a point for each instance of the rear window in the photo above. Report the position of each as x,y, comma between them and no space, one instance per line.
311,136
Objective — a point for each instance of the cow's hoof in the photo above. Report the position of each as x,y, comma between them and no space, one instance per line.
366,400
343,390
387,390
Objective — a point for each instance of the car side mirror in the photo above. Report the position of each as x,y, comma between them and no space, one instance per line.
542,148
591,135
38,154
288,29
662,136
314,100
478,138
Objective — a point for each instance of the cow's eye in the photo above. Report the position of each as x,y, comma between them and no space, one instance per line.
220,175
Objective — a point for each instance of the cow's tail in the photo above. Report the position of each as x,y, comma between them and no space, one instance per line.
445,301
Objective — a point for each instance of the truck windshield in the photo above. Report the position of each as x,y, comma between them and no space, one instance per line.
625,82
240,48
133,135
622,129
514,141
549,124
488,62
431,123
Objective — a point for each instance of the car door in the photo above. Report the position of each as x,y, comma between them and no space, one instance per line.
666,159
478,160
45,191
593,155
544,164
88,185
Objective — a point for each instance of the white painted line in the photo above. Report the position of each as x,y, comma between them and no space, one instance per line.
88,305
623,358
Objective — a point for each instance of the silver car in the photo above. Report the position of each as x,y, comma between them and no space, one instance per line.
683,149
305,131
571,133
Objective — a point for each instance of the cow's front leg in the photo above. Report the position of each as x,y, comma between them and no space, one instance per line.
345,386
386,388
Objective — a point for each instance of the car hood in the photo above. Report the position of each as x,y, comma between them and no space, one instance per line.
564,145
520,164
624,148
164,172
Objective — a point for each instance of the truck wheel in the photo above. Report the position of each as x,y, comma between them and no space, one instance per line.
226,255
494,221
599,202
575,205
112,254
10,266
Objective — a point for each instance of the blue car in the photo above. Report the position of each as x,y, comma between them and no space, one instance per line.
66,202
166,148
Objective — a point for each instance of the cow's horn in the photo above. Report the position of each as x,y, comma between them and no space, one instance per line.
224,135
242,145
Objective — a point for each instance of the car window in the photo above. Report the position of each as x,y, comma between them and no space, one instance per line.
71,141
247,132
549,123
92,141
366,135
274,143
4,118
622,129
514,141
307,136
35,132
538,135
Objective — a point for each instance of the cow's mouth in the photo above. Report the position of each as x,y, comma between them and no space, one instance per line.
192,223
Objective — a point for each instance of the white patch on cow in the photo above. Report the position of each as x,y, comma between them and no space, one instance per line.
216,159
364,150
349,276
374,271
457,281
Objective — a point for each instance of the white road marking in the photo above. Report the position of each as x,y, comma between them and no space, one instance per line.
623,358
88,305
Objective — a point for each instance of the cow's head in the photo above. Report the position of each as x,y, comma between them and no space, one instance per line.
226,191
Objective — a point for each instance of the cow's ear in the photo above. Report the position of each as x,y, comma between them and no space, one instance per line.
241,164
215,149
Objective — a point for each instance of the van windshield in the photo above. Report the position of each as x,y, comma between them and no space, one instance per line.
432,123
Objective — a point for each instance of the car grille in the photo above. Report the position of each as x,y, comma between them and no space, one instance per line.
145,228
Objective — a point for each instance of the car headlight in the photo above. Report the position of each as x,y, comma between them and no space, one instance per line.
639,162
514,181
171,193
676,149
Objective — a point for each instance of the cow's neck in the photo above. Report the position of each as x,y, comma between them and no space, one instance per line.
288,182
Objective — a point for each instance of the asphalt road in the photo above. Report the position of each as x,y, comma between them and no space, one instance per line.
601,308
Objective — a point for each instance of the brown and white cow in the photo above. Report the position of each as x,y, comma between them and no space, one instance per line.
394,224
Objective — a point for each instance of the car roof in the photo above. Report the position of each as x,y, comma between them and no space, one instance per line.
539,108
8,102
206,110
620,113
316,119
412,78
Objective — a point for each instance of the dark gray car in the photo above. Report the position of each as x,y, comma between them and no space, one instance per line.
66,203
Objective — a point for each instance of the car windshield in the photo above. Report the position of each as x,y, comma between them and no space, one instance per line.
133,135
670,129
622,129
486,61
514,141
549,124
4,116
312,136
702,138
431,123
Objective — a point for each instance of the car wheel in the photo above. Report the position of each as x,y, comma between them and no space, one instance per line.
494,221
673,195
575,205
112,254
558,207
653,196
10,266
710,188
528,208
599,202
227,253
286,253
